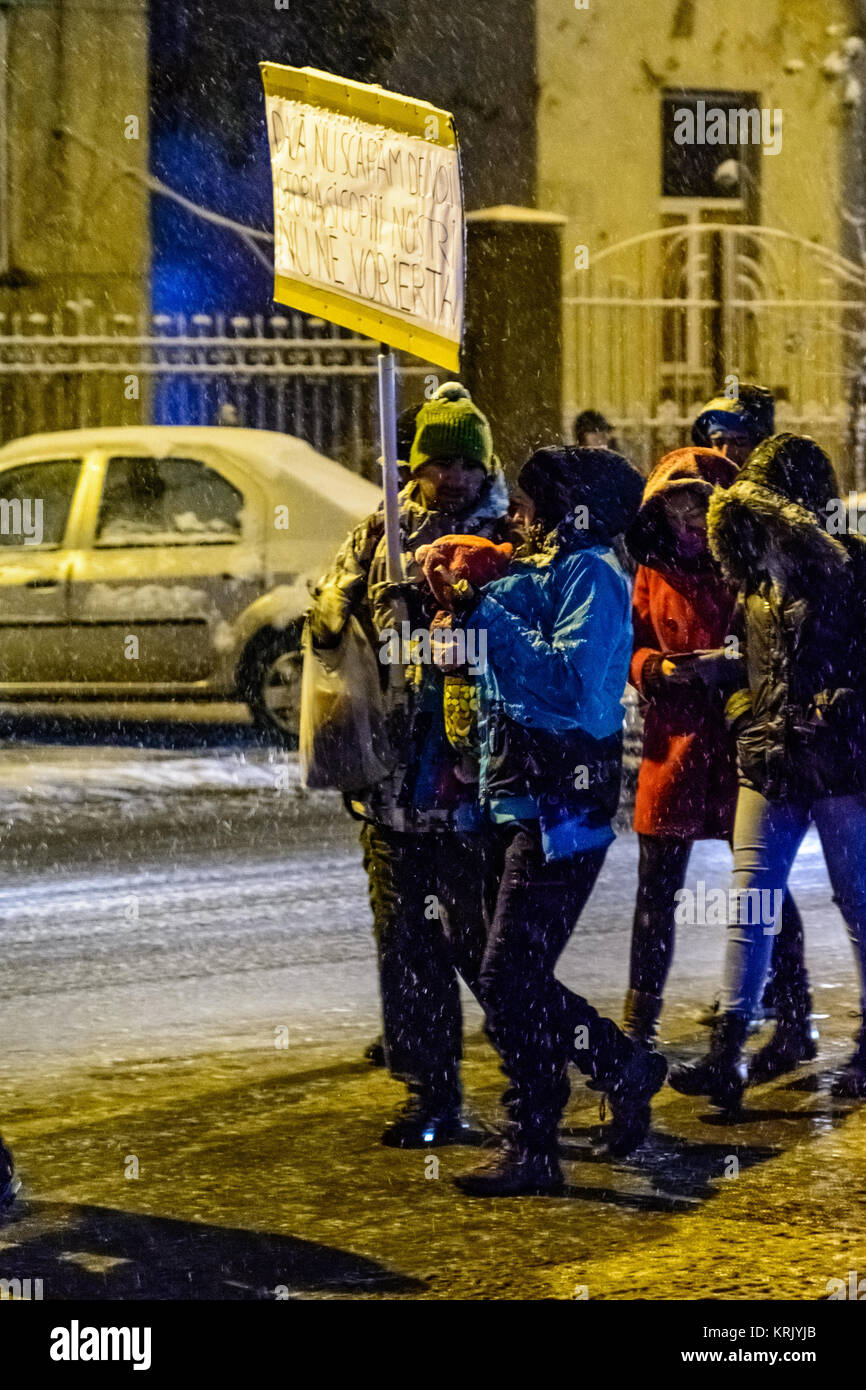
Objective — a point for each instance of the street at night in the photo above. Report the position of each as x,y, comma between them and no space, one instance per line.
432,685
159,942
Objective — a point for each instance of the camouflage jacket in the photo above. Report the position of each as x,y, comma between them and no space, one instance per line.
423,792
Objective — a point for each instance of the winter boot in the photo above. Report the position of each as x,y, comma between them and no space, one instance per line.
721,1075
850,1082
424,1122
641,1016
516,1170
9,1183
629,1096
794,1041
374,1053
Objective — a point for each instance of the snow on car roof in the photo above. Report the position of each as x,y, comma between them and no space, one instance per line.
273,455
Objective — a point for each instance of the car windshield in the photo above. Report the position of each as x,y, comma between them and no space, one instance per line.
168,501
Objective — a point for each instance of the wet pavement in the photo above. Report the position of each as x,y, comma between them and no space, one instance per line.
187,985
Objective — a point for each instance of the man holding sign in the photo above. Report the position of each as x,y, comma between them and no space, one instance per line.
424,850
368,232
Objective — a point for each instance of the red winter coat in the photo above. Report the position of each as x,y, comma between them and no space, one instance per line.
687,785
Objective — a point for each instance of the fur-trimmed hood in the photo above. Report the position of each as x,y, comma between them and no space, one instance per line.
777,510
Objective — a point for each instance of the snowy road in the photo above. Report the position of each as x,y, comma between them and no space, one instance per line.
184,898
177,897
168,914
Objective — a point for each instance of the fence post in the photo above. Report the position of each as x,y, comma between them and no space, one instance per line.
512,355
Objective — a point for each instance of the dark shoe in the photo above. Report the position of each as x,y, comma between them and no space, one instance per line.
641,1016
422,1124
850,1083
9,1183
629,1098
794,1041
375,1053
721,1075
515,1171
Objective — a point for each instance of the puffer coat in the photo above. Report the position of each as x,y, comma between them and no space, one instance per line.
800,716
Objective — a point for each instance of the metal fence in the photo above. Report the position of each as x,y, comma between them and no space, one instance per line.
657,323
284,372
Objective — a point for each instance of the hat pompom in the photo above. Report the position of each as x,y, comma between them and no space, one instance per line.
452,391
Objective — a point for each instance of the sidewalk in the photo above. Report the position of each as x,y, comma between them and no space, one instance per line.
260,1176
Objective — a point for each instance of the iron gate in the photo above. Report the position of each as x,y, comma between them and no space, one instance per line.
655,324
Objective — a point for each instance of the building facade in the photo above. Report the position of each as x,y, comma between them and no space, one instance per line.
73,118
702,156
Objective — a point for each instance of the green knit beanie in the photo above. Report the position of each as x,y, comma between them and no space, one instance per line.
451,426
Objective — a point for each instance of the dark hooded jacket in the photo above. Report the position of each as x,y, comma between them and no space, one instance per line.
687,784
801,717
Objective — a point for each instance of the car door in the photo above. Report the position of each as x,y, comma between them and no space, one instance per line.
173,557
36,503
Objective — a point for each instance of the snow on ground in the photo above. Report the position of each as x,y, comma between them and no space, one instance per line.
72,775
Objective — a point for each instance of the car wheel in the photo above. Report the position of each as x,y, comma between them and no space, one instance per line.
272,682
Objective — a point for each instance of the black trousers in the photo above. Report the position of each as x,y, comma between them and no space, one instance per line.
535,1023
427,897
662,866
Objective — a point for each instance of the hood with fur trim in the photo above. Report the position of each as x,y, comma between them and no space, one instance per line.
650,539
776,513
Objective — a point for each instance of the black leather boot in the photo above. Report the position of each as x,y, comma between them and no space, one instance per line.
424,1122
374,1053
794,1040
516,1170
641,1016
629,1095
721,1075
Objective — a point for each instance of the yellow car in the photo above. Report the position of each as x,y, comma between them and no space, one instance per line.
163,562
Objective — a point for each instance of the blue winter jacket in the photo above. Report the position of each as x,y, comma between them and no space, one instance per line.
558,640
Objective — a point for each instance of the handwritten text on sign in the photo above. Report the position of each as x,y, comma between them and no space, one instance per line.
368,212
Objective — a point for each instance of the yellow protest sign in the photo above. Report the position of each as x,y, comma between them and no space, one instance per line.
368,210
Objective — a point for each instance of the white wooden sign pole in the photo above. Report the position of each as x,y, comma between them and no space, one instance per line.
390,481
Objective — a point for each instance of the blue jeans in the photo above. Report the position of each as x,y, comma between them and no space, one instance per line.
767,835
